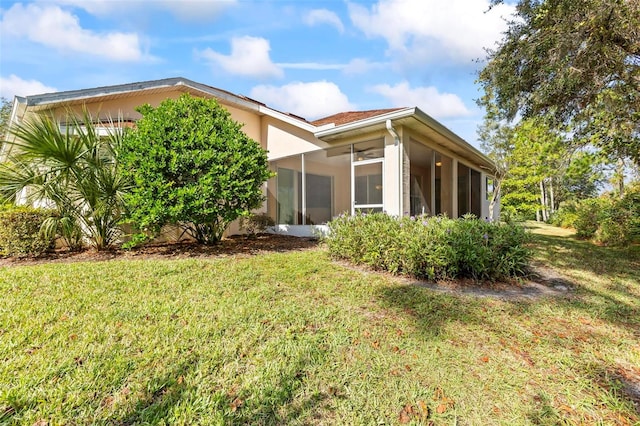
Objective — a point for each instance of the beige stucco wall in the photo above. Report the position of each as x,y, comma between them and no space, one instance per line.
125,108
284,140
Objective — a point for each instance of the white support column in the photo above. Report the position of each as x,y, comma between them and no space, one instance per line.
391,177
303,191
432,206
406,175
484,211
454,188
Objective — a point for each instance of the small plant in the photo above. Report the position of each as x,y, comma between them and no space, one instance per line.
21,231
256,223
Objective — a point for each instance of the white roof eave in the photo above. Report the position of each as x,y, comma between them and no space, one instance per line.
335,131
415,113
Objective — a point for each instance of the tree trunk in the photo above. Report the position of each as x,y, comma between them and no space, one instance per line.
494,197
620,177
543,201
552,201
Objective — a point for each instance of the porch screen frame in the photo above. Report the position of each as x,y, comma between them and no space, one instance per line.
356,163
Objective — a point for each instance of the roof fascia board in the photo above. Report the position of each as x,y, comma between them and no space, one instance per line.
286,118
378,119
417,114
77,95
229,97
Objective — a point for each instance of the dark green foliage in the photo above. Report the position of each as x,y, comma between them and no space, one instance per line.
431,247
191,165
576,61
20,231
606,220
5,117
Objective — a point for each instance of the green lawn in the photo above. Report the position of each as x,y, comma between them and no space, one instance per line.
292,338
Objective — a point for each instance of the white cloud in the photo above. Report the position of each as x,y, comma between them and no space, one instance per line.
323,16
428,99
353,67
194,10
310,100
419,30
53,27
362,66
15,86
314,66
186,10
249,57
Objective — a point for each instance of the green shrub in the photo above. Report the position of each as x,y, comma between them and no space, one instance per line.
565,216
201,172
589,214
256,223
631,204
20,231
430,247
610,221
611,232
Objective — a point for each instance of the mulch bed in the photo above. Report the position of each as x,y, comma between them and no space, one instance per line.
232,246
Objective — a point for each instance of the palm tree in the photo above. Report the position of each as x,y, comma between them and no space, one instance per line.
74,169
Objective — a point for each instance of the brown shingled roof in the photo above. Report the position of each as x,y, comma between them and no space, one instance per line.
351,116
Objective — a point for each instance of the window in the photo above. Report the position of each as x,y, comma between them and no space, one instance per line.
368,185
319,192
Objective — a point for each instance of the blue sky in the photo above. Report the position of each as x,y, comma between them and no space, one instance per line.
310,58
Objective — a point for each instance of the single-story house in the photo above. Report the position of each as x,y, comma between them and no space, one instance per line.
400,161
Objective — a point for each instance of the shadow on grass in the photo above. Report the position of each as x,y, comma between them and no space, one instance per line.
615,303
572,252
431,311
273,400
619,303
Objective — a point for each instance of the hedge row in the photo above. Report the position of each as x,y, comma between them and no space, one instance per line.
431,247
20,231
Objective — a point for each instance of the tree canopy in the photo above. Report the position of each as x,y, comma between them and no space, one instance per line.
576,61
192,166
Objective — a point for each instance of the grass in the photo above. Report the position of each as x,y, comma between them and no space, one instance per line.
292,338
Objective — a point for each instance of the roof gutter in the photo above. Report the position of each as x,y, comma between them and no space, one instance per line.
408,112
